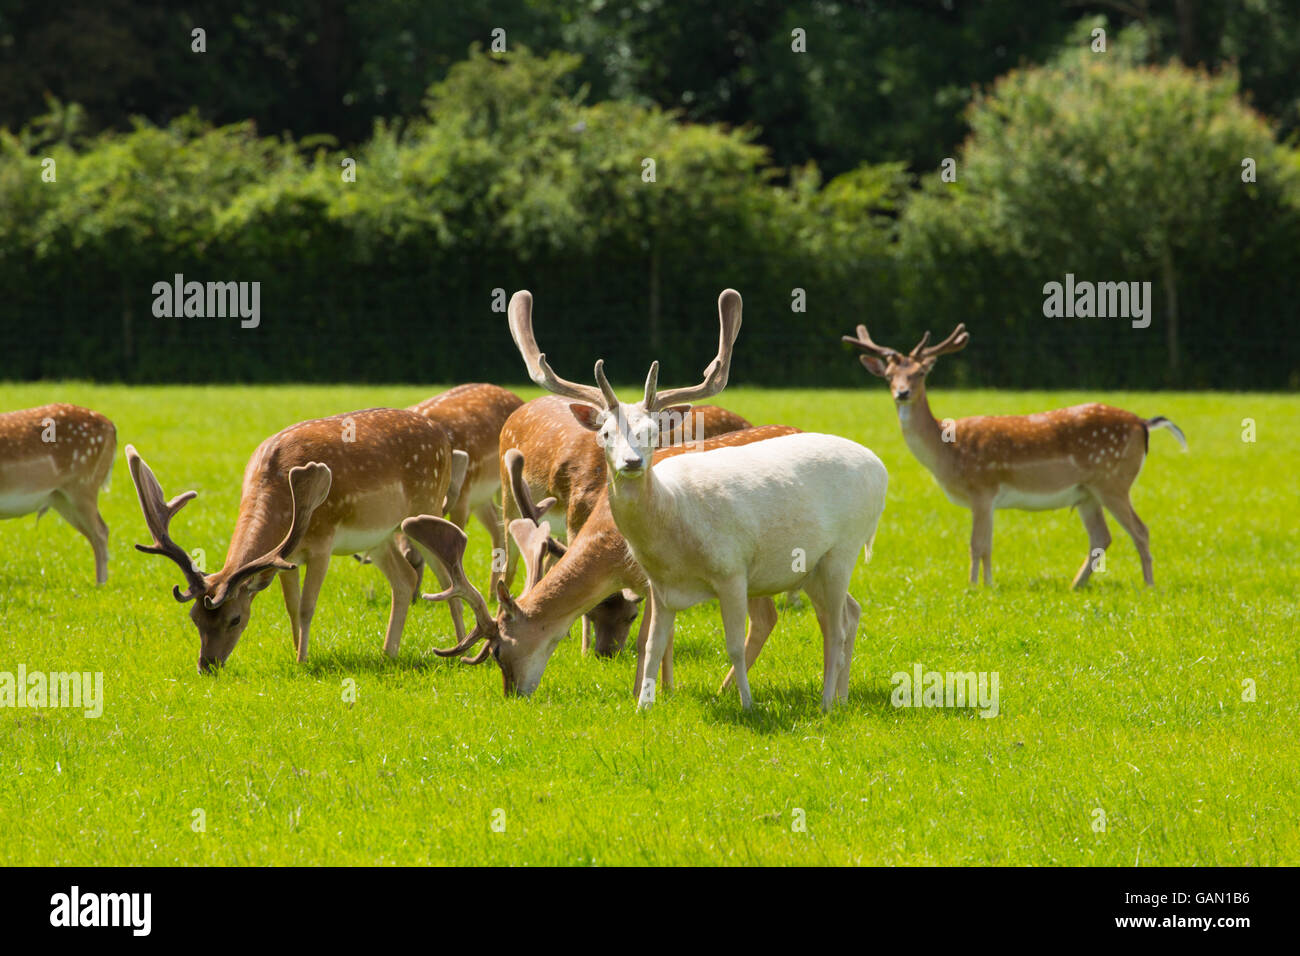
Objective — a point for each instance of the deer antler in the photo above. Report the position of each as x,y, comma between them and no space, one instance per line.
534,541
864,344
309,486
514,462
539,370
447,543
953,343
459,468
158,513
715,376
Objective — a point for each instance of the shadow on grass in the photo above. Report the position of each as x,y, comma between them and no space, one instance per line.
785,708
376,662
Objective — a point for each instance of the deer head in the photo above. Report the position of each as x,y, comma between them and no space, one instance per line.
518,643
628,432
222,600
905,373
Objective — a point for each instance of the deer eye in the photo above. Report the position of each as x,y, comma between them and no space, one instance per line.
234,621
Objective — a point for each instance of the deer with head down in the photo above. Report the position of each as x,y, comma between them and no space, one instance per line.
1085,456
59,456
330,486
735,523
525,631
562,461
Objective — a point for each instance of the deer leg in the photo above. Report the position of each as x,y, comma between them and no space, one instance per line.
981,541
642,638
666,667
489,516
414,558
586,634
455,605
509,512
82,512
661,627
852,616
312,579
1119,505
1094,520
292,603
733,601
828,591
762,619
405,584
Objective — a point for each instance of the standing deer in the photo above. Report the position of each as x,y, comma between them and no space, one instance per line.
525,632
562,460
59,456
1085,456
329,486
735,523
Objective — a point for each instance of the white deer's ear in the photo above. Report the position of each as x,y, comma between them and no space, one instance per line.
588,416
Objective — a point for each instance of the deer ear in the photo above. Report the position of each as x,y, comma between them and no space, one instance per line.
873,365
588,416
632,597
507,603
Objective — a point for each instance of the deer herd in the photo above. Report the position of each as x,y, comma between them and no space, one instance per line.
617,508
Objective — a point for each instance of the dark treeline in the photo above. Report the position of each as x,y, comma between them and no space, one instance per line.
630,166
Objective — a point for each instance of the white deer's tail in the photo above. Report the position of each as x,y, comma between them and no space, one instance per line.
1161,422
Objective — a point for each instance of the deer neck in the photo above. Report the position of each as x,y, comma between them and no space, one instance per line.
635,505
590,570
924,435
265,512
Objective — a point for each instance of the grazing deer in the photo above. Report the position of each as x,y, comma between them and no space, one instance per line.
59,456
1085,456
748,521
330,486
563,461
525,632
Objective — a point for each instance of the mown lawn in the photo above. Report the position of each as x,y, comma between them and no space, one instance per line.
1122,700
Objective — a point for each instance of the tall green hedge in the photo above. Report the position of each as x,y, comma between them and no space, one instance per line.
511,180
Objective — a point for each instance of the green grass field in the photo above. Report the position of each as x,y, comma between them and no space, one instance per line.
1120,699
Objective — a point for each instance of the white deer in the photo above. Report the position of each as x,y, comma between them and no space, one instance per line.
754,520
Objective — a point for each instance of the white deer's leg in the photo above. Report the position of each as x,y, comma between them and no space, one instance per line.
642,639
852,615
733,601
828,594
292,603
762,619
666,668
661,628
1094,520
313,577
404,581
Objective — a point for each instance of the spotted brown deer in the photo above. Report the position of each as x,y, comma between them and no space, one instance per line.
1085,456
59,456
596,561
735,523
562,460
329,486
